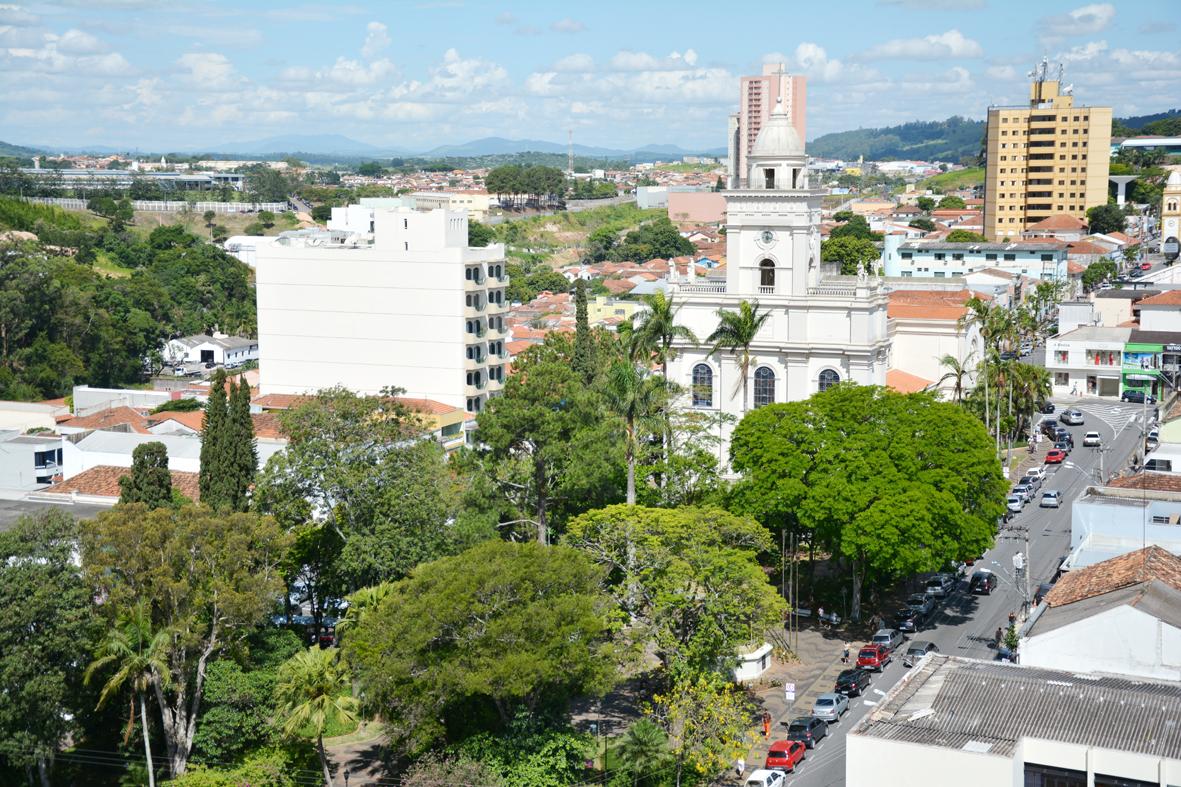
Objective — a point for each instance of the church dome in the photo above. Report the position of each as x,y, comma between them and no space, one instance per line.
1174,178
778,138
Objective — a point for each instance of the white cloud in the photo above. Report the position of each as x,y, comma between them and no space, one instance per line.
352,72
578,61
16,16
209,70
221,35
1083,52
1142,58
956,80
76,42
567,25
377,39
627,60
813,60
1085,20
1005,73
952,44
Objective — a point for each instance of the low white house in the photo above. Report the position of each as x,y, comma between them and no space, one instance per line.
93,449
219,349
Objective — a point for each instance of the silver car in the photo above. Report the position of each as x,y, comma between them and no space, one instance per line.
891,638
1051,499
830,706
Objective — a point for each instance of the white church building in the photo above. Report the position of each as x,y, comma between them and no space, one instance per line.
823,328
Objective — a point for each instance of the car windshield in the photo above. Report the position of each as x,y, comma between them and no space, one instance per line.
824,702
868,653
934,583
778,753
798,726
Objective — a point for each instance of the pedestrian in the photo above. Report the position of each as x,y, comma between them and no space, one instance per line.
820,615
845,653
766,725
740,767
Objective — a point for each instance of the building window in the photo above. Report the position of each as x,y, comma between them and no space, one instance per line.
767,274
764,386
1061,378
1062,356
703,386
828,378
769,178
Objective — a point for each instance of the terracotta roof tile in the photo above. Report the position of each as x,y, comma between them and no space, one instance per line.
927,304
905,382
112,418
194,419
1059,221
1148,480
103,481
1150,564
1167,298
1079,247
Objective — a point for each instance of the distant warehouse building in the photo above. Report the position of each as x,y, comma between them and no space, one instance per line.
941,259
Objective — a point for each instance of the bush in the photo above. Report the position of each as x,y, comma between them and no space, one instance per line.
178,406
267,768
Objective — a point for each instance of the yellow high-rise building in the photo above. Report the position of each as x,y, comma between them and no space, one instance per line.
1048,158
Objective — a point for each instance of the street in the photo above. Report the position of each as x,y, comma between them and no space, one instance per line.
964,624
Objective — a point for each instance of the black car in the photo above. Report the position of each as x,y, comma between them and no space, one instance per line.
1063,445
808,730
982,583
1049,426
908,619
1009,355
1042,590
852,682
1046,407
1138,397
1063,436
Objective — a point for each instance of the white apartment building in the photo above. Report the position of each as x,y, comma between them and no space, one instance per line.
414,308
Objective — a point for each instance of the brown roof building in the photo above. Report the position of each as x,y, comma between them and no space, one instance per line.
103,482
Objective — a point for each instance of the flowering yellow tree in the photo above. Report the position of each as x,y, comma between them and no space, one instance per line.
707,720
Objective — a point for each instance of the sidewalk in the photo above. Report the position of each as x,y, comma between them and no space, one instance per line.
815,671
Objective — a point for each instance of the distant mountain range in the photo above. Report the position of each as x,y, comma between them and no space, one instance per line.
953,140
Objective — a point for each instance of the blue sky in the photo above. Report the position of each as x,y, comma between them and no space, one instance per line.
158,75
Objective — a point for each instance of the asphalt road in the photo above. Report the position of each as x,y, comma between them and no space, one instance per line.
965,625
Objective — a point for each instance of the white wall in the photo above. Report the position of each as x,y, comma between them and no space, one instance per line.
917,345
1120,640
876,762
88,401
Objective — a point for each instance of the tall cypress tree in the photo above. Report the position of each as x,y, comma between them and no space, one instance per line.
242,452
584,349
214,467
149,481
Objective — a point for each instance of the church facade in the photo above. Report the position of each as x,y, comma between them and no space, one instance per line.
822,328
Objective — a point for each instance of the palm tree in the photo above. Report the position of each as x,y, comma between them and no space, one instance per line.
142,658
978,316
957,370
736,332
643,749
632,394
312,692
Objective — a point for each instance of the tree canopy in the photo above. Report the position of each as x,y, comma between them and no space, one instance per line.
852,253
149,481
895,484
1106,218
499,629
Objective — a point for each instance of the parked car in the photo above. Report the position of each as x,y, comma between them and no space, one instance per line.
1025,491
784,756
1055,456
1026,348
808,730
1046,407
1037,472
1008,355
852,682
1092,439
940,585
766,778
916,651
1048,427
1063,436
922,602
1032,481
908,619
1050,499
1071,417
982,583
1138,397
1041,592
873,656
1014,504
891,638
1146,266
830,705
1064,446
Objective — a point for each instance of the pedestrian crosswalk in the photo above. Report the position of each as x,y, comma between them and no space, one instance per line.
1117,415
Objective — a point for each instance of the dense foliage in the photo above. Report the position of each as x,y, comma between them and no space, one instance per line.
953,139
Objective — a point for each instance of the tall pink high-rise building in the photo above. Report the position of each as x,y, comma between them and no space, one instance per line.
757,98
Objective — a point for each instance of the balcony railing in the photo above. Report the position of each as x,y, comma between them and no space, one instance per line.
765,289
703,288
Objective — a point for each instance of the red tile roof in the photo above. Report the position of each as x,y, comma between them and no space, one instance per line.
619,286
1080,247
1151,564
112,418
1167,298
1059,221
928,304
103,481
905,382
1148,480
193,419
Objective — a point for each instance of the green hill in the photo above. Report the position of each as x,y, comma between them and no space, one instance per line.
16,151
953,139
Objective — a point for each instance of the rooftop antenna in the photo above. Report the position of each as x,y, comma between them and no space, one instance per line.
570,151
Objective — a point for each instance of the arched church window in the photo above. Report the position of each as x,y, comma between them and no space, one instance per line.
764,386
766,273
828,378
703,386
1172,205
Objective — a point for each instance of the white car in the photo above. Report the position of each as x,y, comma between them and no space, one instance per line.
1051,499
1015,503
1038,472
1092,439
766,778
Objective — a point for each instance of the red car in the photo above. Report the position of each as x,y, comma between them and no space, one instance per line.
1055,456
1146,266
785,755
873,656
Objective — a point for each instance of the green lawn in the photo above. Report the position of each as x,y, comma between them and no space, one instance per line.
954,181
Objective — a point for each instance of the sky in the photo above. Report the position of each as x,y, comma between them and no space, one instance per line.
413,74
